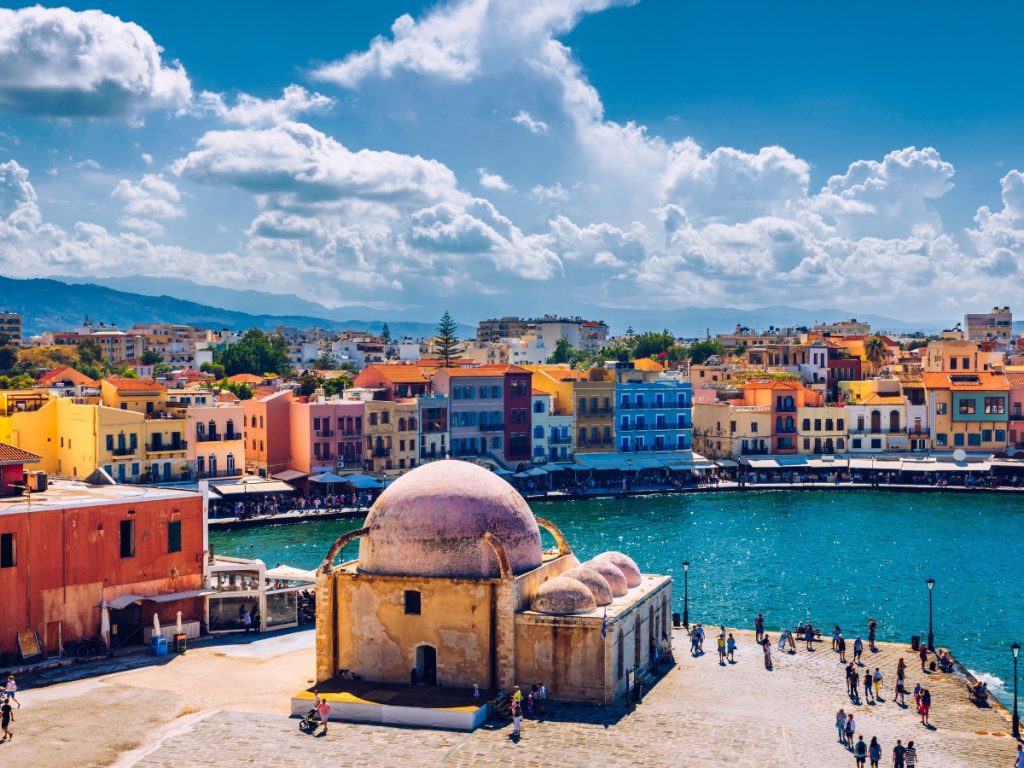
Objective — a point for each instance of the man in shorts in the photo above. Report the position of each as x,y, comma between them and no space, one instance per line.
6,718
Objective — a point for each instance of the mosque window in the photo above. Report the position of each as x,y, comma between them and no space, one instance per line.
412,602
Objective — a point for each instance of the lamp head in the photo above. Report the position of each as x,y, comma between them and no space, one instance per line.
1015,648
686,565
931,584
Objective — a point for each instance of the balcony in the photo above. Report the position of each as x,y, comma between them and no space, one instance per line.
207,437
917,430
1017,417
381,453
785,408
432,454
595,413
491,427
215,473
786,431
754,451
234,436
559,441
123,451
324,433
166,447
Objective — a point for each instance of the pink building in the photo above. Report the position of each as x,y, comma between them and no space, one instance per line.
267,438
325,435
1015,438
215,442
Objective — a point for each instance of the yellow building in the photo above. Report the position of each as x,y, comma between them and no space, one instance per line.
452,587
595,412
821,429
391,432
729,430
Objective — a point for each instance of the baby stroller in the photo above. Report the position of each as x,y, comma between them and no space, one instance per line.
310,721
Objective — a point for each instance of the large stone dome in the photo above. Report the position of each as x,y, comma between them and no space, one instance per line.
430,522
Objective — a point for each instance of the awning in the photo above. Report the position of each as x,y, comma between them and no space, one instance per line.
520,475
192,593
536,472
556,467
239,489
644,462
726,463
503,472
362,482
327,478
602,461
878,463
288,573
123,601
289,475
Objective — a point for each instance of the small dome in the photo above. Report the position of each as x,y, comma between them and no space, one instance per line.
615,578
563,596
430,522
596,583
625,564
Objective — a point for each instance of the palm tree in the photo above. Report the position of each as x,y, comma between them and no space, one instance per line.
874,351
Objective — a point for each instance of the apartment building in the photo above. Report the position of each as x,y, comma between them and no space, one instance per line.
552,432
391,436
267,433
10,327
434,434
997,324
653,411
215,440
595,412
968,410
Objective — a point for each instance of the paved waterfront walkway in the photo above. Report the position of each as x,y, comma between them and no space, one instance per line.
224,707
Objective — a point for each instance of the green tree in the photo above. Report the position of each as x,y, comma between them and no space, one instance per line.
161,368
241,391
700,351
309,383
127,373
874,350
326,362
256,353
90,352
20,381
334,386
446,343
652,344
8,358
216,369
618,350
562,353
385,334
151,357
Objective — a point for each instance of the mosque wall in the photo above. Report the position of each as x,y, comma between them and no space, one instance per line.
566,653
632,635
528,583
377,639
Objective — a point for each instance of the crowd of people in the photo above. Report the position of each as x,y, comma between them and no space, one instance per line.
269,504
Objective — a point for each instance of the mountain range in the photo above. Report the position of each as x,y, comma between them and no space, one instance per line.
54,304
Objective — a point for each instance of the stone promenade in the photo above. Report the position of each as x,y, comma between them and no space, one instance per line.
699,714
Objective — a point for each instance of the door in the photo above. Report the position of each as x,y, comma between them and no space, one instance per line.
426,664
126,626
53,638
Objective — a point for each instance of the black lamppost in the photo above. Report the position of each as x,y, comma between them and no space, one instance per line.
1015,648
931,634
686,593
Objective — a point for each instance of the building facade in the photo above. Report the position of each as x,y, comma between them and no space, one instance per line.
653,412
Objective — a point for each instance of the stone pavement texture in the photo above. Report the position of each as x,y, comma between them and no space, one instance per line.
700,713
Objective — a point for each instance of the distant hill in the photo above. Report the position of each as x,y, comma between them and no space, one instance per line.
49,305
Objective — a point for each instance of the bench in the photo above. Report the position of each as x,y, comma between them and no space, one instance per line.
800,634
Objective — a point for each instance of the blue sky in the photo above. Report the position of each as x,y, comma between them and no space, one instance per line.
514,156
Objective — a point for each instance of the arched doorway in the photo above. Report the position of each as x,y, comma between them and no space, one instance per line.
426,664
894,421
876,422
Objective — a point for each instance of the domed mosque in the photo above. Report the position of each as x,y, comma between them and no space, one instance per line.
452,587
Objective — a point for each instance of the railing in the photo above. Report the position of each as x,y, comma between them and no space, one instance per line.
325,456
162,448
595,413
786,431
754,451
234,436
1017,417
596,443
917,430
433,454
207,437
491,427
214,473
381,452
324,433
124,451
559,441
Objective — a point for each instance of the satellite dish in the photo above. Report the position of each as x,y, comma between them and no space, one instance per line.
959,455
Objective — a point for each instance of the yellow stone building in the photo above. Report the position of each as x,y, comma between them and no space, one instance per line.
391,433
452,588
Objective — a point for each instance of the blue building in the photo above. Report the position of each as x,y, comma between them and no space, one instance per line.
652,411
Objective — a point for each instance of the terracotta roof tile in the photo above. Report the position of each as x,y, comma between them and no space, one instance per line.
983,381
65,373
123,384
11,455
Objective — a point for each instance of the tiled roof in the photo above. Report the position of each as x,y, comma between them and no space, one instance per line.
773,384
399,374
876,399
65,373
485,370
11,455
966,381
122,384
245,378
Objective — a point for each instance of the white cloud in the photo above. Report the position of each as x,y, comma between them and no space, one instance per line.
493,181
252,111
545,194
147,158
530,123
999,236
152,197
61,63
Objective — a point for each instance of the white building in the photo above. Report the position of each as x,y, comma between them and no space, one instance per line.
552,433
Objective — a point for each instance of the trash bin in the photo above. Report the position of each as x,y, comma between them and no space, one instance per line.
915,642
158,645
179,642
676,621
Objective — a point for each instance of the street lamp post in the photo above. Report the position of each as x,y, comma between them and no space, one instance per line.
931,635
686,594
1015,648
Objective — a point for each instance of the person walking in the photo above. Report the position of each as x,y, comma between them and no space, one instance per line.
721,650
874,752
869,687
6,718
851,727
759,627
257,620
517,719
323,709
247,621
841,725
923,654
926,705
849,679
809,636
542,699
841,647
917,697
899,755
11,690
876,678
854,683
767,653
1020,757
730,645
860,751
872,631
858,649
835,637
911,755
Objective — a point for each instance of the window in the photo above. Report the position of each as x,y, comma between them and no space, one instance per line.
538,432
412,602
941,439
967,407
753,427
496,393
174,536
986,435
806,425
940,408
8,551
876,443
995,405
127,538
483,392
110,442
958,439
855,443
538,407
974,439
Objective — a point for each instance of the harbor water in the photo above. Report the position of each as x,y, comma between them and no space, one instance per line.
833,557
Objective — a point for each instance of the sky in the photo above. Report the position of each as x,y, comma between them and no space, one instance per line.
522,156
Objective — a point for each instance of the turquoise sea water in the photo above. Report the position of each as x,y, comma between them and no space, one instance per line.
833,557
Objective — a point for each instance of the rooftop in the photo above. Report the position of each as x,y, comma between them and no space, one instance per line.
966,381
485,370
122,384
63,494
11,455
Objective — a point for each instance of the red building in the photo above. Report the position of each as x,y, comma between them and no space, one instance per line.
76,558
12,469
